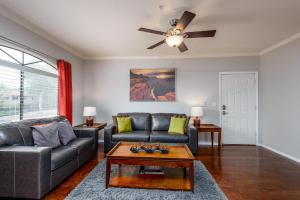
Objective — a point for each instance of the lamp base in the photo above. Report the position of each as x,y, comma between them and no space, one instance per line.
89,121
197,121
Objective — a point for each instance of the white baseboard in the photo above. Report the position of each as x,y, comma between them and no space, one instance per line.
280,153
207,143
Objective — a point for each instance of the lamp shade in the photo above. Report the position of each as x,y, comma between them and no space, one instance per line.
89,111
197,111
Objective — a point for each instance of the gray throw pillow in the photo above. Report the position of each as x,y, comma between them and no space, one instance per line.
46,135
65,132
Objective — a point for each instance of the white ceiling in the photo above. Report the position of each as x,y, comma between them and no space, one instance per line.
108,28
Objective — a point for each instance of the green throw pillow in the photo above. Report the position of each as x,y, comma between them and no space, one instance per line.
177,125
124,124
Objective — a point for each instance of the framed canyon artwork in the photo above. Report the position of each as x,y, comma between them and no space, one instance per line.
152,84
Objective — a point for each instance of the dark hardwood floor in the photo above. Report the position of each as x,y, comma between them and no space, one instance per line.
243,172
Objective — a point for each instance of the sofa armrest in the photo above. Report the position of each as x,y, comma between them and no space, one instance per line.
108,132
25,171
88,133
192,132
85,132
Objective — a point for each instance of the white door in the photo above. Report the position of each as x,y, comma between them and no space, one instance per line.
238,107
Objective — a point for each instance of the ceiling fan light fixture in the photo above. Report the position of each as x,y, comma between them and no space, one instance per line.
174,40
175,35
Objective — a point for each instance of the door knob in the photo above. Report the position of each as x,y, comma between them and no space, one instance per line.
223,107
224,113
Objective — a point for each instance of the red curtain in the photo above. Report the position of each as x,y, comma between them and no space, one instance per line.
65,89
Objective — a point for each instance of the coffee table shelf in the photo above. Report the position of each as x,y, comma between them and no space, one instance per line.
172,180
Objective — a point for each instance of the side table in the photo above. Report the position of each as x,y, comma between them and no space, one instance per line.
212,129
98,126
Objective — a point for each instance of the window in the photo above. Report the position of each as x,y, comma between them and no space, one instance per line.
28,86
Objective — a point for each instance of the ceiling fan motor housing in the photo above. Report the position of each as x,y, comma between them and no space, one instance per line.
173,22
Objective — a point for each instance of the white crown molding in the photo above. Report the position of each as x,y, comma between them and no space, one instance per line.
171,56
11,15
279,44
280,153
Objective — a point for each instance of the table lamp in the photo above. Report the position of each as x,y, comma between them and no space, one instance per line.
196,113
89,113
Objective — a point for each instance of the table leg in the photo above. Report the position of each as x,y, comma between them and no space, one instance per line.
107,173
212,139
219,138
191,175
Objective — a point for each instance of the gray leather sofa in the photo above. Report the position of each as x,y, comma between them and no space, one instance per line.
28,171
150,128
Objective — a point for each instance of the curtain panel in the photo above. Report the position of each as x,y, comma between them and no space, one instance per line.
65,89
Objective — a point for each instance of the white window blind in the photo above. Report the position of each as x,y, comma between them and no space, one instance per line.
9,94
40,96
28,86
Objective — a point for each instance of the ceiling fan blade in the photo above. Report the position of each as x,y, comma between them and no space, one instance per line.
197,34
184,21
182,47
151,31
156,45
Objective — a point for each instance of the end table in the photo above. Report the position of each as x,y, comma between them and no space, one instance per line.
98,126
212,129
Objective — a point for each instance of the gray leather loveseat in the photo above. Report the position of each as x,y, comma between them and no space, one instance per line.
28,171
150,128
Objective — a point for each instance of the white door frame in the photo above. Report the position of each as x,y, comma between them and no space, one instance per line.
257,105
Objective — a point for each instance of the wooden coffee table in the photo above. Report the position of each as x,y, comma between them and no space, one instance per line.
179,156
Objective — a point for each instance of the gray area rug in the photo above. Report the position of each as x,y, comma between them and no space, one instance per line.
93,187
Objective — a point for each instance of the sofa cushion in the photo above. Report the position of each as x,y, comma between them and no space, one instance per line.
177,125
124,124
65,132
10,136
26,133
164,136
115,122
62,155
161,121
187,121
46,135
81,144
134,136
140,121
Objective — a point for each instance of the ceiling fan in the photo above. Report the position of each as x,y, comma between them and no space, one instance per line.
175,35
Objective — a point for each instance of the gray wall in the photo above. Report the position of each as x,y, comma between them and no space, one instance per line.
20,34
106,84
280,97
